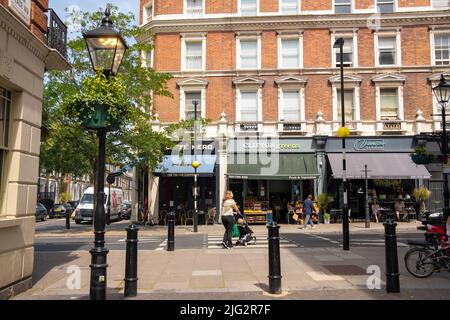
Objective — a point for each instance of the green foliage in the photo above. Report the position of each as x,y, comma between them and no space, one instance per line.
387,183
421,194
323,201
67,147
420,150
64,197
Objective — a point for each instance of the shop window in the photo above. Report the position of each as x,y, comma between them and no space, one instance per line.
249,106
348,53
291,106
249,54
194,8
189,106
387,51
249,7
349,105
385,6
290,53
342,6
389,104
442,49
289,6
194,55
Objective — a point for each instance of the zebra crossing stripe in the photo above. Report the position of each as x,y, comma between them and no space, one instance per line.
215,242
162,246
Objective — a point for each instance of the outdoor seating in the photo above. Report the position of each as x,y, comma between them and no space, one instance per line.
189,217
212,212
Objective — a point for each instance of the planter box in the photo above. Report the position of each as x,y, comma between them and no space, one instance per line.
421,158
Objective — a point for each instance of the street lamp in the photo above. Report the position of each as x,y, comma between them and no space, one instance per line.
195,165
343,133
106,50
442,93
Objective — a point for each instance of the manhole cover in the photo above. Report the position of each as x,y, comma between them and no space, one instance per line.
343,270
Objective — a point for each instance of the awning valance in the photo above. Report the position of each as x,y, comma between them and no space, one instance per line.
379,166
182,166
272,166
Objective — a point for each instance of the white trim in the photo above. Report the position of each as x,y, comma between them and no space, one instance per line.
299,8
144,13
433,33
356,102
294,36
193,38
258,12
183,91
244,36
301,100
258,90
352,7
345,34
398,44
400,106
193,16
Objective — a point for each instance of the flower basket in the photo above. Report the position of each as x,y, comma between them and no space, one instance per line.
100,119
421,158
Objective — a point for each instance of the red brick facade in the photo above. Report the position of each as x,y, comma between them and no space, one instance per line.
221,63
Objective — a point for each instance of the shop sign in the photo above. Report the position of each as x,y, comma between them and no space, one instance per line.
22,8
206,147
369,145
269,145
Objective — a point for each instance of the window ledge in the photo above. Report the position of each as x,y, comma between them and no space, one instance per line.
10,222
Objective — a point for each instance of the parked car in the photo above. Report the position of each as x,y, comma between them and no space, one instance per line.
125,212
434,217
58,211
41,212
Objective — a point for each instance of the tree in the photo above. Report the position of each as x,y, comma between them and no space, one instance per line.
67,147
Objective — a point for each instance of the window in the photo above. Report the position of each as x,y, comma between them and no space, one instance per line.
290,53
385,6
387,51
249,7
289,6
249,54
148,13
389,104
348,53
189,105
149,59
5,108
349,105
291,106
249,106
441,4
194,7
342,6
442,49
194,50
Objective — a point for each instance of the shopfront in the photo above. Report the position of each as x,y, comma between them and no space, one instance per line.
391,174
176,187
267,176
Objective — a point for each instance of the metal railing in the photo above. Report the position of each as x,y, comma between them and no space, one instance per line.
392,126
57,33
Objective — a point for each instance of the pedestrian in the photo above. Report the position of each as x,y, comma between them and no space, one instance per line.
308,208
229,210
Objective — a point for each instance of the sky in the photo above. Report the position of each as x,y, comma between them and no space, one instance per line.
92,5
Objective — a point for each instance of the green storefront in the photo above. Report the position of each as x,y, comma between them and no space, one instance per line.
271,175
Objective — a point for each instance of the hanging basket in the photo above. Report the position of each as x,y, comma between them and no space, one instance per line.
421,158
101,119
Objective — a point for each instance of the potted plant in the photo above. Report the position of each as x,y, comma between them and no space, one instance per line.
323,200
422,195
421,156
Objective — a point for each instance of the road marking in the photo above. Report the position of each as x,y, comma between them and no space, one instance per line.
162,246
215,242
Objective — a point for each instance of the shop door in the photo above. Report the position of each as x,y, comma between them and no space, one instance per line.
237,187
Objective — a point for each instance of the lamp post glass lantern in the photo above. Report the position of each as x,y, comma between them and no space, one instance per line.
106,50
343,133
442,93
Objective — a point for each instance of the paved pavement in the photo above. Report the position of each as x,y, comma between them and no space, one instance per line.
313,264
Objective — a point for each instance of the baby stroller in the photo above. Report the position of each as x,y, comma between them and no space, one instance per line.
245,232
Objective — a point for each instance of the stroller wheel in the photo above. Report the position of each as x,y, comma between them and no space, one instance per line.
254,240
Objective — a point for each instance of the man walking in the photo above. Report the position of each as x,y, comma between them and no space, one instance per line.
308,209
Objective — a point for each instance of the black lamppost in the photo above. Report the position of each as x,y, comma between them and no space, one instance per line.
106,49
195,165
442,93
343,133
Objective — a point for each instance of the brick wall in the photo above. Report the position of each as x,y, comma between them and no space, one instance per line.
268,6
417,94
167,55
367,98
318,97
415,46
220,51
221,6
317,46
220,97
364,4
168,7
366,53
269,58
270,100
317,5
168,108
413,3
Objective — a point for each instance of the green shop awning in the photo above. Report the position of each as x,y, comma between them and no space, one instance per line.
272,166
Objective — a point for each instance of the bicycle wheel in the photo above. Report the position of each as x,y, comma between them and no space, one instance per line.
417,265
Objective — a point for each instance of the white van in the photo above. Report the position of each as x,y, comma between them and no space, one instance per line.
85,209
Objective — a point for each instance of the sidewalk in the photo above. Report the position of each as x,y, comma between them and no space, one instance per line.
308,273
118,229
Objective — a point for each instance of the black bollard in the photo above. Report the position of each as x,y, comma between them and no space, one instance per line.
67,220
131,261
171,231
274,259
392,274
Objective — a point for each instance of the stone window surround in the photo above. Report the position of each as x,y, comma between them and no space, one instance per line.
398,50
291,83
352,6
345,33
290,35
434,81
185,8
193,37
248,36
258,10
299,9
192,85
145,17
389,81
350,83
249,84
438,30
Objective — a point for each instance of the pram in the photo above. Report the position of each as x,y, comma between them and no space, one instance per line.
245,232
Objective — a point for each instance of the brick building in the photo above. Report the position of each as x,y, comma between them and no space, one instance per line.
32,40
266,69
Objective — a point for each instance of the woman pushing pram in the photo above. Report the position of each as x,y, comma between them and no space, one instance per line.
245,232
